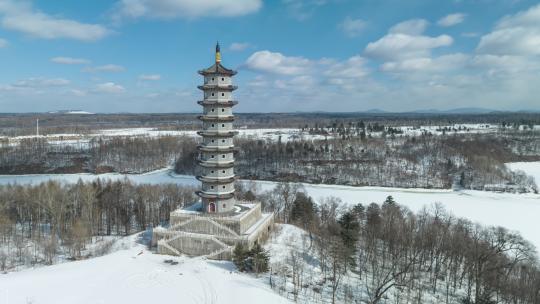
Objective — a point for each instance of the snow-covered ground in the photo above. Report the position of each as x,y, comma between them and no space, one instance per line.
77,139
265,134
285,134
134,276
531,168
514,211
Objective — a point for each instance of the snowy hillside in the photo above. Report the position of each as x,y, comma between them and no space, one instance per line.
135,276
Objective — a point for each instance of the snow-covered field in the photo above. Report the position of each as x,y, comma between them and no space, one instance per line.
514,211
135,276
531,168
285,134
264,134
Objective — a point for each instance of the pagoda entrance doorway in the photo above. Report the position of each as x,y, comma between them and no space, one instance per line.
211,207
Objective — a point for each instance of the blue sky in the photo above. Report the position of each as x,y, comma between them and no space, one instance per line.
292,55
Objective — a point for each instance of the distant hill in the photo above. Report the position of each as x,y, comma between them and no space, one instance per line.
457,111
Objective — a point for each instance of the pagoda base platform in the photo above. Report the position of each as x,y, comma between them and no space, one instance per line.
214,236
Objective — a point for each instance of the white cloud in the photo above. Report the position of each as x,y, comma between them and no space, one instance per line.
303,9
21,17
113,68
427,64
345,74
277,63
352,27
167,9
258,81
396,46
77,92
506,66
69,60
490,61
410,27
405,40
109,87
35,85
40,82
3,43
239,46
470,34
517,34
151,77
451,20
354,67
298,76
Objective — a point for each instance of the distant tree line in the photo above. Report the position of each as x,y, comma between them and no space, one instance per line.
349,157
465,161
12,124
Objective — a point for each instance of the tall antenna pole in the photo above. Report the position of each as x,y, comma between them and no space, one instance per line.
37,127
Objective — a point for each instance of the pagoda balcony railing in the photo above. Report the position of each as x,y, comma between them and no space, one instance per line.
217,180
228,87
227,103
216,118
204,148
217,133
216,164
215,195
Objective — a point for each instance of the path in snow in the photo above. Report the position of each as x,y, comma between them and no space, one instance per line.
126,277
518,212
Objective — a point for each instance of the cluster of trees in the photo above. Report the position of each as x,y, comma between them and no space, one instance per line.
139,154
468,161
370,253
40,222
112,154
254,260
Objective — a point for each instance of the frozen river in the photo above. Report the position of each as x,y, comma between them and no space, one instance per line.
518,212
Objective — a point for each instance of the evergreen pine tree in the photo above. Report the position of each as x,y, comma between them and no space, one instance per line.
350,230
240,254
259,258
390,200
359,212
303,211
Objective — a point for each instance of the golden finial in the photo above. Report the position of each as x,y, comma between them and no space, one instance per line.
218,53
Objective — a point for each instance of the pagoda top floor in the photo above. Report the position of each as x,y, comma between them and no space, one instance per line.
217,69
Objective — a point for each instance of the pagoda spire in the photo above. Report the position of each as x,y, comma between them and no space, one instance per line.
218,53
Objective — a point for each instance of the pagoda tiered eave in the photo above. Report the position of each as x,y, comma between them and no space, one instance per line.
226,149
216,180
228,103
217,87
217,133
217,69
214,164
215,195
216,117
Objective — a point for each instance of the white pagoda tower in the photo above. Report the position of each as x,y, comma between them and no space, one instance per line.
212,226
216,153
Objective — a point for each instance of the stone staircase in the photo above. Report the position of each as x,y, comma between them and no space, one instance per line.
207,220
166,243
